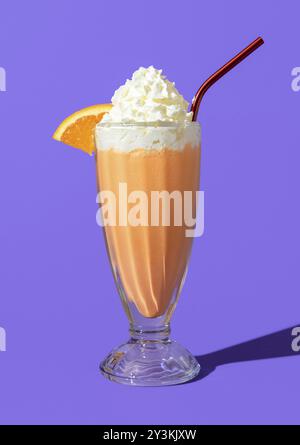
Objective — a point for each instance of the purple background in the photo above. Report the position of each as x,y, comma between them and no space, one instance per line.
58,302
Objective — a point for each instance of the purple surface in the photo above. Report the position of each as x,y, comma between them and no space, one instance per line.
58,303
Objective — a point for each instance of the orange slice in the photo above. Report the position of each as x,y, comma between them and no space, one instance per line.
78,129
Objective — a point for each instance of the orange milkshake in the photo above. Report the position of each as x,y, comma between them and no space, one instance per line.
148,150
148,163
150,260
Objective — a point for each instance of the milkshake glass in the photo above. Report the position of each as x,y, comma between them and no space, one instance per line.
149,259
147,142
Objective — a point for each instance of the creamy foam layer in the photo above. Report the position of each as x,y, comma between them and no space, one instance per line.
127,138
148,112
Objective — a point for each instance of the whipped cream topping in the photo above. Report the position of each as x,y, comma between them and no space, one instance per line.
160,112
148,97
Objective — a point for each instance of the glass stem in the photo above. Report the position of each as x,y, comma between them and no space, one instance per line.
149,334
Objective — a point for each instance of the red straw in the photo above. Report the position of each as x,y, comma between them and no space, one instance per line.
221,72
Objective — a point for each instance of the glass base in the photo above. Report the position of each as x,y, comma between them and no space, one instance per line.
150,363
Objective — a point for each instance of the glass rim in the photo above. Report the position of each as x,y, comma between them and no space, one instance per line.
160,124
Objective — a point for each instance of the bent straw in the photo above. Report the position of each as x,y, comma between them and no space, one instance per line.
221,72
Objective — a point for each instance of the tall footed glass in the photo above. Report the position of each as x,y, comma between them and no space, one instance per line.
148,177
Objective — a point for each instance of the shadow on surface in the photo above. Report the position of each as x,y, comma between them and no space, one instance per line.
278,344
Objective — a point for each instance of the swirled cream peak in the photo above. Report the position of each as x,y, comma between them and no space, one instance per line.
148,97
147,113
